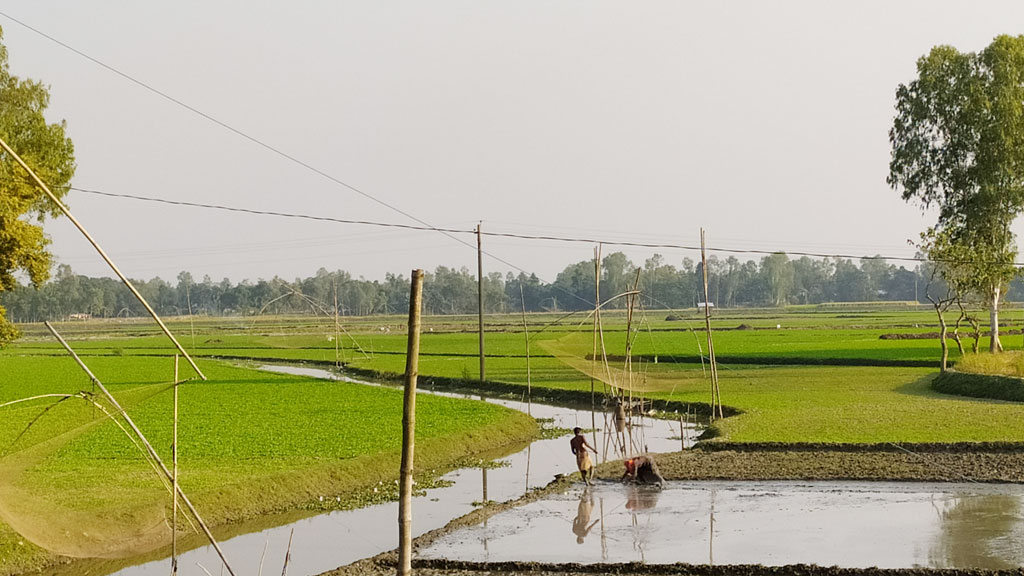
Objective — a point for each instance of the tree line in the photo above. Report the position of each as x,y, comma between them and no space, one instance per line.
774,280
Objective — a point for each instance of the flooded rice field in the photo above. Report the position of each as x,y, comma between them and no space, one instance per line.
773,523
333,539
848,524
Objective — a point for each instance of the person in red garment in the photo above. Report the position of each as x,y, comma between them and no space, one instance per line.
642,470
579,447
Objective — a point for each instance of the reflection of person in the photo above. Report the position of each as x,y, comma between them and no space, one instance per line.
580,524
579,447
639,498
642,470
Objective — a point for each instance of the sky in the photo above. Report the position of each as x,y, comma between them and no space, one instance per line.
763,122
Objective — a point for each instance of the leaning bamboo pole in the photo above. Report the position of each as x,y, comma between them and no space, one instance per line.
174,479
526,334
124,279
409,427
142,437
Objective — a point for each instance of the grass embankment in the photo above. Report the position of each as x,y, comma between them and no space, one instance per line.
797,375
250,443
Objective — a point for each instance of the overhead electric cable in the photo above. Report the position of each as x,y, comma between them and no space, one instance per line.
230,128
262,144
540,237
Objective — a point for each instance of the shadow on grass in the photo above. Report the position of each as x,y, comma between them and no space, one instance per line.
936,385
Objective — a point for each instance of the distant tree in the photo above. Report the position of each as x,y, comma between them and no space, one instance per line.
812,280
879,276
617,276
851,283
44,147
778,277
574,287
958,144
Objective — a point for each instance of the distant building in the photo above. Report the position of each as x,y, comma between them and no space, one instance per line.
81,316
701,305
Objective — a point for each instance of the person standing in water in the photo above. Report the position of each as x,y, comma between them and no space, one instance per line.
579,447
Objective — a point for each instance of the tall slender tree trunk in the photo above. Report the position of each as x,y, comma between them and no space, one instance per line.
943,331
995,345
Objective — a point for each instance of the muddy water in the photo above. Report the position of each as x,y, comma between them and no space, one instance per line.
329,540
857,525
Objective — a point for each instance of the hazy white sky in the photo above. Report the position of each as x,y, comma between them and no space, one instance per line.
764,122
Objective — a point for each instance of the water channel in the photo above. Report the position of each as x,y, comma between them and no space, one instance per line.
333,539
849,524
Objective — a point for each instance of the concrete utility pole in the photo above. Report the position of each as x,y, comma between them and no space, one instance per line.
480,295
409,427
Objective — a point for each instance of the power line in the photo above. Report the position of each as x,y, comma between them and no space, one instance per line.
269,212
532,237
424,226
262,144
230,128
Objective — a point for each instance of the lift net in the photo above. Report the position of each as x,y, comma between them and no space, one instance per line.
50,499
638,375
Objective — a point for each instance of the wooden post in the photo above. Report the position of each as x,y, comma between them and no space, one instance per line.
480,295
409,427
174,479
682,433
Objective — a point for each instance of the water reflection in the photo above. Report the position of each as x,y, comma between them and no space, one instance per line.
848,524
979,531
640,498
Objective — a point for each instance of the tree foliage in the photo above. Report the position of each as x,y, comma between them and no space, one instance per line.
44,147
958,145
453,291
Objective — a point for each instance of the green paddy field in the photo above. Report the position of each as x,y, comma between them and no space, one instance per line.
254,442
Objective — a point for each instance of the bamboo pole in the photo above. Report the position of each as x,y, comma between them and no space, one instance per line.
174,479
682,433
409,427
526,334
149,447
288,554
480,294
337,330
716,395
102,254
597,316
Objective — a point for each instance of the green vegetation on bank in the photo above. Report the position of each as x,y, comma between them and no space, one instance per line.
251,442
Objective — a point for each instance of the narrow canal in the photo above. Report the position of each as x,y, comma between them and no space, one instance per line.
332,539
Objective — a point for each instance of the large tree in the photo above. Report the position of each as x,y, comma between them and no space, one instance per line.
958,145
45,147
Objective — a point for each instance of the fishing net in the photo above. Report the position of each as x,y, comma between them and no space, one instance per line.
637,375
52,500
